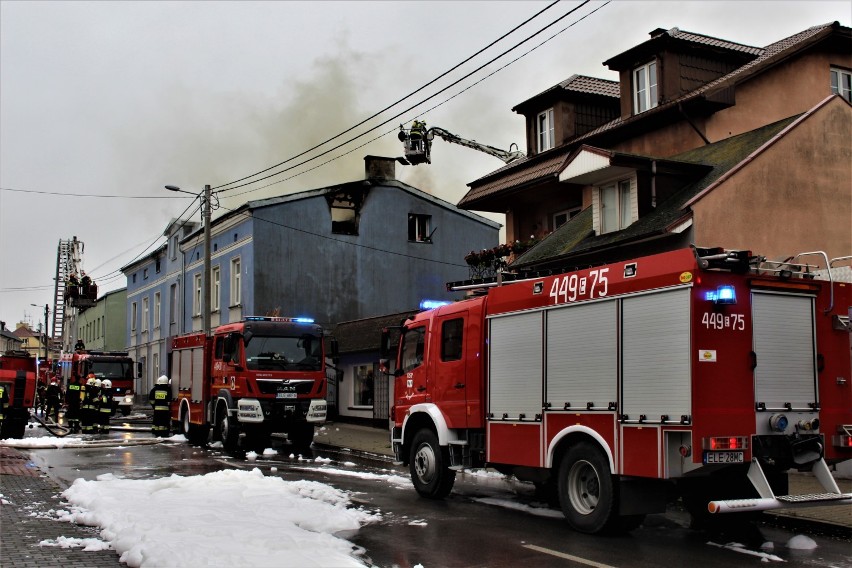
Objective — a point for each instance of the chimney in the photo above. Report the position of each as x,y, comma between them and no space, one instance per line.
379,168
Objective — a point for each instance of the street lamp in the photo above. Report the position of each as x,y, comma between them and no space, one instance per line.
205,280
44,332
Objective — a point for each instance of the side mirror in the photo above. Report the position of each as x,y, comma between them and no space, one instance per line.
398,372
226,358
384,345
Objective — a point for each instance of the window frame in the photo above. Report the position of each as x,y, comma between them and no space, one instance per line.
196,294
569,213
215,287
361,374
236,281
452,339
648,95
174,291
157,310
838,88
134,312
144,322
419,228
623,215
545,135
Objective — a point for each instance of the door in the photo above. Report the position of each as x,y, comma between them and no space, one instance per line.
450,386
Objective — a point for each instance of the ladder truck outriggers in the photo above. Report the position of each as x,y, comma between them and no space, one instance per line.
706,371
417,143
250,379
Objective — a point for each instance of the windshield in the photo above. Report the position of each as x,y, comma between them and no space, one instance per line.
302,353
111,369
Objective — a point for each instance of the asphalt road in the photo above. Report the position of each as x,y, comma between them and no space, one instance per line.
486,521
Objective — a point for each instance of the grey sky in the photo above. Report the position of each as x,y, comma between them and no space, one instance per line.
122,98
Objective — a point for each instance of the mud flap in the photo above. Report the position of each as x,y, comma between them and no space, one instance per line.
641,496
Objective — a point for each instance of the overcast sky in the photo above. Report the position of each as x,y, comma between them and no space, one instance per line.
121,98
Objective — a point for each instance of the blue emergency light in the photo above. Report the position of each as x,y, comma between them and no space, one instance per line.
724,294
432,304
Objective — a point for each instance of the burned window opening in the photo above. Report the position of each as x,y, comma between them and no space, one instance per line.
345,207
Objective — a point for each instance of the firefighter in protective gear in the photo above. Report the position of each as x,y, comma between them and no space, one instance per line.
88,410
417,134
105,406
73,396
160,398
53,396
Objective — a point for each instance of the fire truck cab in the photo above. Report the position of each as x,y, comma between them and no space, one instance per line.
252,378
705,371
117,366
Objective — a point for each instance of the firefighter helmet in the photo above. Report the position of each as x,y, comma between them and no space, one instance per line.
163,380
98,383
91,380
106,383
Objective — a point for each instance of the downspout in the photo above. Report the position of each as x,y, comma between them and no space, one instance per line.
653,184
692,124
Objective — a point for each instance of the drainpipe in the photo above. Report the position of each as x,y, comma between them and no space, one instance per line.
654,184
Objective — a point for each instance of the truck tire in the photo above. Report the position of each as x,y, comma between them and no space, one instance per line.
125,410
428,465
14,428
195,435
586,490
226,428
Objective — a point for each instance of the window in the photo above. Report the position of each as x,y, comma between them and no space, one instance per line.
645,87
413,342
155,364
419,227
616,212
133,316
144,314
173,247
196,296
544,129
214,288
365,378
451,339
173,303
841,83
134,278
563,217
144,274
157,310
236,298
157,266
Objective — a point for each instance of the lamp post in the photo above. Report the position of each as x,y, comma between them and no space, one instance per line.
205,279
44,331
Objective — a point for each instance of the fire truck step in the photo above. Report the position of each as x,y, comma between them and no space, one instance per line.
813,497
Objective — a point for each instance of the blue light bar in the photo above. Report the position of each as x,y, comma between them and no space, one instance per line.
303,320
432,304
725,294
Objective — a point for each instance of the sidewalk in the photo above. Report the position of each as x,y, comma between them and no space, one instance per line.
365,439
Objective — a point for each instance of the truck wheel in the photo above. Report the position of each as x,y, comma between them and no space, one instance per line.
125,410
14,428
586,489
428,464
301,435
226,427
195,435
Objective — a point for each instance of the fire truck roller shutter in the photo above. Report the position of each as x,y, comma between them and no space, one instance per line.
656,355
185,367
784,345
582,366
197,374
516,364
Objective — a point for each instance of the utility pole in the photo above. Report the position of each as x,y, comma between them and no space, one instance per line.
206,283
44,336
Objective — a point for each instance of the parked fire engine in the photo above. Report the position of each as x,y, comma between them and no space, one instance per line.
696,369
252,378
18,377
117,366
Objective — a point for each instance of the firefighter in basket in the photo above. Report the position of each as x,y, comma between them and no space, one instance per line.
73,396
89,409
160,398
417,134
105,406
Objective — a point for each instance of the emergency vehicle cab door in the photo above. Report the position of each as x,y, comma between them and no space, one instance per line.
450,387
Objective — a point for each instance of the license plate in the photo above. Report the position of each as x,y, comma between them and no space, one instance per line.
286,395
723,457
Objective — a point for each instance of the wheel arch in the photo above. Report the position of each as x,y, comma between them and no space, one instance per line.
425,416
572,435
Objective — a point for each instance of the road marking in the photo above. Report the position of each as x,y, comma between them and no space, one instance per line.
567,556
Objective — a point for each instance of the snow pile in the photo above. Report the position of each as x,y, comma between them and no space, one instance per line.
801,542
230,518
87,544
43,442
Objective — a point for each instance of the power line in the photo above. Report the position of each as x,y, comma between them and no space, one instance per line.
409,108
436,79
93,194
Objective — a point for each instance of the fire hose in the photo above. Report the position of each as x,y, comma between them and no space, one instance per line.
56,429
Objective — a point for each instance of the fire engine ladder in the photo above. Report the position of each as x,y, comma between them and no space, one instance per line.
63,261
768,500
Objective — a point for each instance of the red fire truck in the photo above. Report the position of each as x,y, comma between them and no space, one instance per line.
117,366
252,378
706,371
18,379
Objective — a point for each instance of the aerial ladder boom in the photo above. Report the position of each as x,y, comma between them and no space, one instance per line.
417,141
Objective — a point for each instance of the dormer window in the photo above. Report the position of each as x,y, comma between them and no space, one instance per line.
645,87
615,206
544,126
